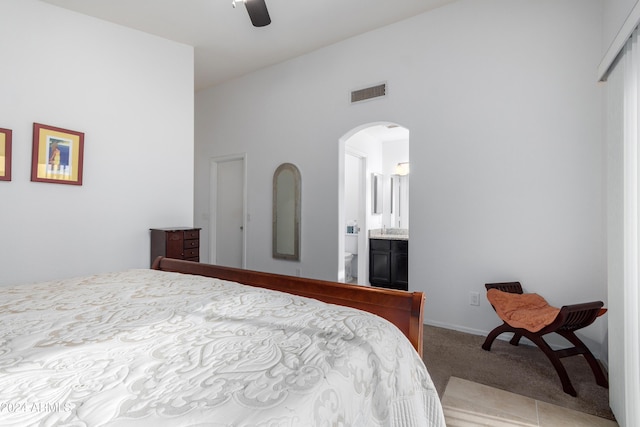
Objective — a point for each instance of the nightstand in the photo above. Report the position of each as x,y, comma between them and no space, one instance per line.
176,242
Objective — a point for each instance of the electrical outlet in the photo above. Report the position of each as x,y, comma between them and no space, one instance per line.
298,272
474,298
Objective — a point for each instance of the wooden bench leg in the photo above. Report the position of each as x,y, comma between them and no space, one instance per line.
555,361
494,334
516,339
581,348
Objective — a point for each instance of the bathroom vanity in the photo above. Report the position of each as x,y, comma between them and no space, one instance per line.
389,259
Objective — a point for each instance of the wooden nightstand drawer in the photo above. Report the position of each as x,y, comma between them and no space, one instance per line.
191,253
192,234
193,243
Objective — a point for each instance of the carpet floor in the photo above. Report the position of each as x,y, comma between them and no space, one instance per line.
522,369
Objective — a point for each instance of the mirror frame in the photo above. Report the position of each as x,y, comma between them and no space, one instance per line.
276,252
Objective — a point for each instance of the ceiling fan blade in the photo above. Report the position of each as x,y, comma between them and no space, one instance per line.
258,12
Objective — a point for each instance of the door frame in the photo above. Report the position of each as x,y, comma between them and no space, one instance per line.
363,247
213,203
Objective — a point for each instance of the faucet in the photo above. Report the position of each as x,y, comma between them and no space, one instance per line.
384,229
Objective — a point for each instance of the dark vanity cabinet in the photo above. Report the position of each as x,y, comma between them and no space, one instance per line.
389,263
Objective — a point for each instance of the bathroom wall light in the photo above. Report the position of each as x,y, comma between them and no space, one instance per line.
402,168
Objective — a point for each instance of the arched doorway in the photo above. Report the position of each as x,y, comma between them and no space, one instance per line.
369,158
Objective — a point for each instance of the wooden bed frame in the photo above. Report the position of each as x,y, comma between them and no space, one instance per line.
403,309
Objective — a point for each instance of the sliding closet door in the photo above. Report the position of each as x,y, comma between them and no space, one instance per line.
623,237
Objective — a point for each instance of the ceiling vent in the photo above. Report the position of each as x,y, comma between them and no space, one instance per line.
369,93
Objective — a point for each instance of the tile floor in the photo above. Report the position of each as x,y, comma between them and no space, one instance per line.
468,404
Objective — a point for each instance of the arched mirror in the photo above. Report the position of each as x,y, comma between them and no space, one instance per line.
286,212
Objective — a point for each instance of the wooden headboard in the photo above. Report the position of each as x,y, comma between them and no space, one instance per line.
403,309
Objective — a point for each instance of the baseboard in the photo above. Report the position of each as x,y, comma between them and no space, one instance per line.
456,327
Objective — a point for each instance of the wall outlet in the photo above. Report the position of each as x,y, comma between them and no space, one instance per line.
474,298
298,272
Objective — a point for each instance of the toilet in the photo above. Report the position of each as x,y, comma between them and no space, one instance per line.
348,257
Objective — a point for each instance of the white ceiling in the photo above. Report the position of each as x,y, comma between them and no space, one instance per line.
227,45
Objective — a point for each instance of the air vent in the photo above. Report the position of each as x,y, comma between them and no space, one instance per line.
369,93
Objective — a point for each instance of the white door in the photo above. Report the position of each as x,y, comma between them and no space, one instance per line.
227,221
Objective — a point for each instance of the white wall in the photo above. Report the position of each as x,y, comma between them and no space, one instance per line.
352,191
371,148
505,118
393,152
132,96
511,182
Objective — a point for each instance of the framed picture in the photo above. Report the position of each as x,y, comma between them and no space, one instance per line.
57,155
5,154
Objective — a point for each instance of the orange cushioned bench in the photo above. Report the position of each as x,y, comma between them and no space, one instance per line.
530,316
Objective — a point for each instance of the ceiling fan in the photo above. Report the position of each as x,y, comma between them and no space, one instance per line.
257,10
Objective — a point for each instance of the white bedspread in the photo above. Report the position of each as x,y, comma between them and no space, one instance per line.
144,347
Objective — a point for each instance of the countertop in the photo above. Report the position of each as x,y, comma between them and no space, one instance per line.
389,234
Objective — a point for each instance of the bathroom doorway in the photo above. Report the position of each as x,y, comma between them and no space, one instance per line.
380,149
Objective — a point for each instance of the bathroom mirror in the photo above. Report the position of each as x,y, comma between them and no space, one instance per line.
399,201
376,193
286,212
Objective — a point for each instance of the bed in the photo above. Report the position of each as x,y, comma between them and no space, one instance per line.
190,344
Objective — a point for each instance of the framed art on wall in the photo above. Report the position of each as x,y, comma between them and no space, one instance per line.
57,155
5,154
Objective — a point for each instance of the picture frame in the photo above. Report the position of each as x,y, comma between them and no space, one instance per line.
5,154
57,155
